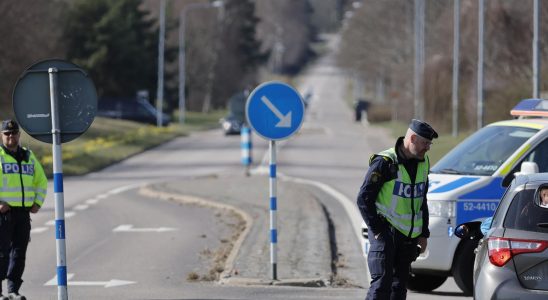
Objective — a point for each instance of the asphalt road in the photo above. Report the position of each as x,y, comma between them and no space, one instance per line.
124,245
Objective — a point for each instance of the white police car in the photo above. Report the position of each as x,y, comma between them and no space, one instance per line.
467,184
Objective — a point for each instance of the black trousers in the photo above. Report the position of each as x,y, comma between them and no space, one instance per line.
14,239
389,262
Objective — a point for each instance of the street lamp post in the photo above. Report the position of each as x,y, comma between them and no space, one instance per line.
456,45
419,59
481,15
536,58
182,27
160,89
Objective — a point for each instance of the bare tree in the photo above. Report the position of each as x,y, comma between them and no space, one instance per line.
285,31
30,31
378,42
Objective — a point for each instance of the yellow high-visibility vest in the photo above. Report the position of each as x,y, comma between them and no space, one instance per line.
400,201
22,185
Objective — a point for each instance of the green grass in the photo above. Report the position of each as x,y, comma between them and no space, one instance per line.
200,121
108,141
441,145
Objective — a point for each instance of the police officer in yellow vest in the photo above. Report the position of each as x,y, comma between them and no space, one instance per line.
392,201
23,186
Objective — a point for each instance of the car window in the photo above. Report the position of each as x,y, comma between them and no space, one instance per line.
538,155
498,216
141,111
484,152
524,213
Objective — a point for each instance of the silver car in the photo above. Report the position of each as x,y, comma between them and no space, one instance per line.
511,259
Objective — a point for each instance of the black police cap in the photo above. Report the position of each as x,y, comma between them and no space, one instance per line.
423,129
9,125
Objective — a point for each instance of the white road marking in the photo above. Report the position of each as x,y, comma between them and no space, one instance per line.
81,207
38,230
105,284
92,201
68,215
129,228
348,205
123,189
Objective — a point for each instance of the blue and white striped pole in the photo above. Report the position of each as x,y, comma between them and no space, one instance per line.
246,146
273,211
58,189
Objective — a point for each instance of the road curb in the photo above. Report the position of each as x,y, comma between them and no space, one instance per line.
186,199
304,282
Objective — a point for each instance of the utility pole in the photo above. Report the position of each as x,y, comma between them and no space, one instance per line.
160,90
279,49
480,64
182,53
456,45
419,59
215,57
536,59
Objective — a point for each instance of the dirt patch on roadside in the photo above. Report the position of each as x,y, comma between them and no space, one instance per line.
221,258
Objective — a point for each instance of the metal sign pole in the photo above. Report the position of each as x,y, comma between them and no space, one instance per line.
273,210
275,111
58,189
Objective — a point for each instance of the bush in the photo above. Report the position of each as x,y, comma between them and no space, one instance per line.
379,113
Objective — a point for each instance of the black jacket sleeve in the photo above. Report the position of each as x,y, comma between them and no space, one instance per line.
425,214
376,176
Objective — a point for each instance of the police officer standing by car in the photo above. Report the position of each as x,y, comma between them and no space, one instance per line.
23,186
392,202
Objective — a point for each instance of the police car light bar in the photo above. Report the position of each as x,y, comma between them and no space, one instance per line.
531,108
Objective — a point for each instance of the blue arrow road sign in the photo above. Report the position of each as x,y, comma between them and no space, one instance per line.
274,110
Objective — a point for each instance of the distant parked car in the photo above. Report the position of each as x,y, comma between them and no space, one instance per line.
511,260
134,109
231,125
233,122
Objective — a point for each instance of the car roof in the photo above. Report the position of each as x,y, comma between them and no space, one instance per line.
537,123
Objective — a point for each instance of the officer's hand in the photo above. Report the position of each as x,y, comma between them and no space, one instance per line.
35,208
4,208
423,242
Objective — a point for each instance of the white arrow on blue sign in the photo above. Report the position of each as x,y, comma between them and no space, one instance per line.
274,110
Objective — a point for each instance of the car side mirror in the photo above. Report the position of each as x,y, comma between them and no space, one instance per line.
462,231
527,167
469,230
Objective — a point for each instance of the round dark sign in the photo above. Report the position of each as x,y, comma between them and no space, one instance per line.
76,100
